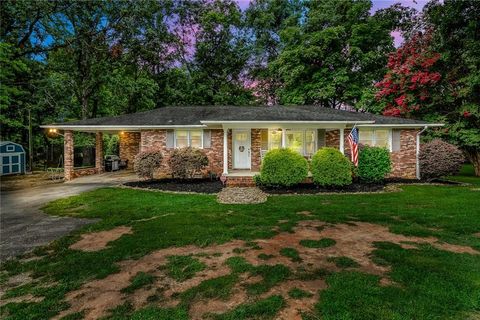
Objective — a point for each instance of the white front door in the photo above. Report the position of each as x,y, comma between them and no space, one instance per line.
241,149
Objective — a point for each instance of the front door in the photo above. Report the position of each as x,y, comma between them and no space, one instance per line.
241,149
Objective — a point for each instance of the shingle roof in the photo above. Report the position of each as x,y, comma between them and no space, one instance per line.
195,115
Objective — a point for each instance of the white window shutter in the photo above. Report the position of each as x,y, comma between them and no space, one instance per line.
321,138
170,139
207,138
396,140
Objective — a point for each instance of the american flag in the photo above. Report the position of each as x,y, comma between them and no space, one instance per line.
353,141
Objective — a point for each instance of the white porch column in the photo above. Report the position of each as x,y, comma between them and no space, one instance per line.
225,150
284,137
342,140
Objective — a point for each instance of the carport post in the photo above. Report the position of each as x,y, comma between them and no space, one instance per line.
99,152
68,155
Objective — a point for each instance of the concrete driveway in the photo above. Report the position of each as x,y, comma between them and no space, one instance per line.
23,226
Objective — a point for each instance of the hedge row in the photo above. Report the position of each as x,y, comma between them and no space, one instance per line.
329,167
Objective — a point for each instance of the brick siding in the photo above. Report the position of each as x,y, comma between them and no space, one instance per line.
404,161
129,146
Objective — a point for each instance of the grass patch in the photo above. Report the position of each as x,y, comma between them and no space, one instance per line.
217,288
141,279
435,284
344,262
291,253
263,309
297,293
264,256
182,268
322,243
271,276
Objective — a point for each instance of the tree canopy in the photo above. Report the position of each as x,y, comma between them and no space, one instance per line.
68,59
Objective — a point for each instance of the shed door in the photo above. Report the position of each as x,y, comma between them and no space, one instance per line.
11,164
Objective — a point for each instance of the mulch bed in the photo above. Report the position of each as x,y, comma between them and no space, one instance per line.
190,185
310,188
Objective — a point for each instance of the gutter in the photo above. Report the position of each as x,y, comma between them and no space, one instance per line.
417,153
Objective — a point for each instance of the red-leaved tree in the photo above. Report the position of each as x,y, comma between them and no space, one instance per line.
411,75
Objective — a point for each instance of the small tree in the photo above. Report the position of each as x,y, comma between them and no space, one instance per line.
373,164
438,158
146,163
187,162
330,167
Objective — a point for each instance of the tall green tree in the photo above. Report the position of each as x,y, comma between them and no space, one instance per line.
456,36
336,54
221,55
265,20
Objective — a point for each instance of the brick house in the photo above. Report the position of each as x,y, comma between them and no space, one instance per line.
235,138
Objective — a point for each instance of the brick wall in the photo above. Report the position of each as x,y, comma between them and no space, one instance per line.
68,155
404,161
157,140
99,152
332,138
129,146
256,149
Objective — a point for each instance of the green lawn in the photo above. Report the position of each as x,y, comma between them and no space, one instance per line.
426,282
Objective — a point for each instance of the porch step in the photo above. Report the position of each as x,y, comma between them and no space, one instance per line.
233,181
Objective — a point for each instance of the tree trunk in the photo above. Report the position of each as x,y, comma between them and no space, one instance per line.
474,157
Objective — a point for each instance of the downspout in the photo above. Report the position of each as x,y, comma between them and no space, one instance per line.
417,154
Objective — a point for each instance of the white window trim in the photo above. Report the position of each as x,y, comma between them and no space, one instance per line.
374,137
10,148
189,140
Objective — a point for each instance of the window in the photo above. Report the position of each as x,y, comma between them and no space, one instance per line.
309,142
294,140
10,148
196,139
189,138
274,139
181,139
375,137
302,141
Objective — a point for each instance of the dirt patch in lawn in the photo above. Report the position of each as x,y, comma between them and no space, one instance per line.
99,240
352,241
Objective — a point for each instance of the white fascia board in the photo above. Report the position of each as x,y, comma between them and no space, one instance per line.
117,127
403,125
283,122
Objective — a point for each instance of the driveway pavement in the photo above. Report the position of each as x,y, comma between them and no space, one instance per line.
23,226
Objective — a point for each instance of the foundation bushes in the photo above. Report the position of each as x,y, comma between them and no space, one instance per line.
146,163
439,158
373,164
330,168
282,168
186,163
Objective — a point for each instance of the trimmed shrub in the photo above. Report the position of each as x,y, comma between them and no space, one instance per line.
330,168
283,167
373,164
187,162
146,163
439,158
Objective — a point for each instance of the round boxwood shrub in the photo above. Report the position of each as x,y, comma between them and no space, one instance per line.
186,163
439,158
145,163
283,167
330,168
373,164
